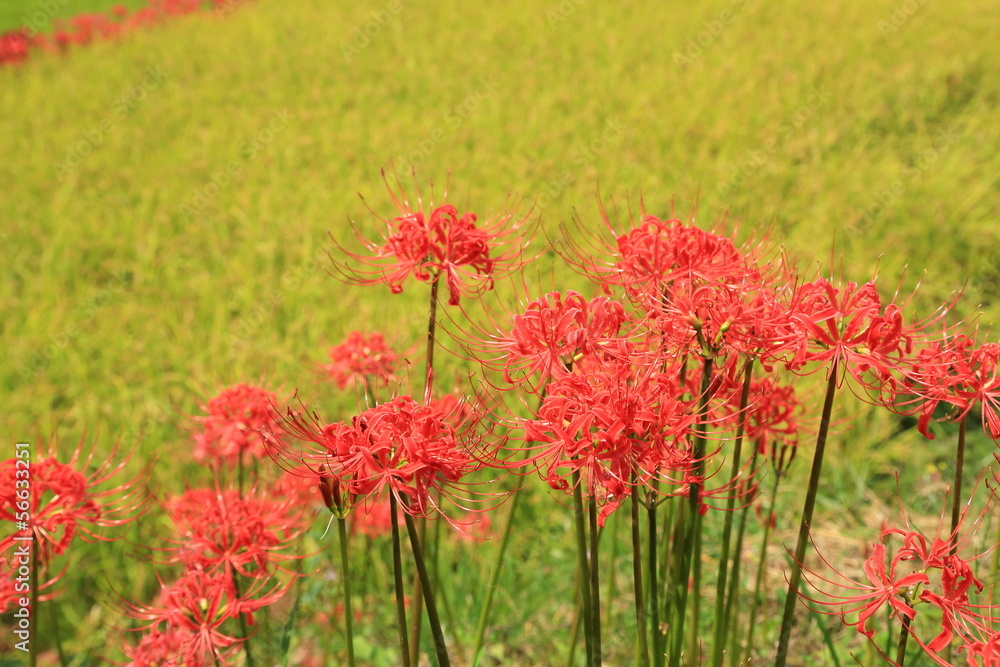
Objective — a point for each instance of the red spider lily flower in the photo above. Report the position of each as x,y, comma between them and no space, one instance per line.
14,46
604,425
64,501
399,447
850,326
170,647
938,576
553,334
233,423
936,373
771,420
982,386
884,586
200,604
248,534
433,244
361,358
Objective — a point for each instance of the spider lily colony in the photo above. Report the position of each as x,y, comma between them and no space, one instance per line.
665,393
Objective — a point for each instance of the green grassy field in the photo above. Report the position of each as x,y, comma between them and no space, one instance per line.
167,198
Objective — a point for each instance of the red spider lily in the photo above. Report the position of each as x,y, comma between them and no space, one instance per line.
233,423
771,420
14,46
937,373
64,500
433,244
850,325
982,386
884,586
248,534
200,604
938,576
605,425
360,358
400,447
170,647
555,333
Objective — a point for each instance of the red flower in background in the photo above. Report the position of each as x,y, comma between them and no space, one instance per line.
249,534
233,423
197,606
361,357
399,447
65,501
434,244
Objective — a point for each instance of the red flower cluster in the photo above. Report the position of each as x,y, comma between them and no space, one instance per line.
362,359
187,626
435,244
921,571
233,425
65,502
399,447
16,45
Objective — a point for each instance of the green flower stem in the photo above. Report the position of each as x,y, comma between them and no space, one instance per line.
484,611
397,571
651,565
440,647
721,602
692,560
734,652
581,547
788,617
243,623
761,571
595,582
642,650
346,576
956,489
904,636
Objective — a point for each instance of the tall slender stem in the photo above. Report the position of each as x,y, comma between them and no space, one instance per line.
904,635
346,575
397,571
595,582
642,657
417,619
788,617
956,501
431,330
243,623
484,611
721,618
692,561
651,565
440,647
581,547
761,562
